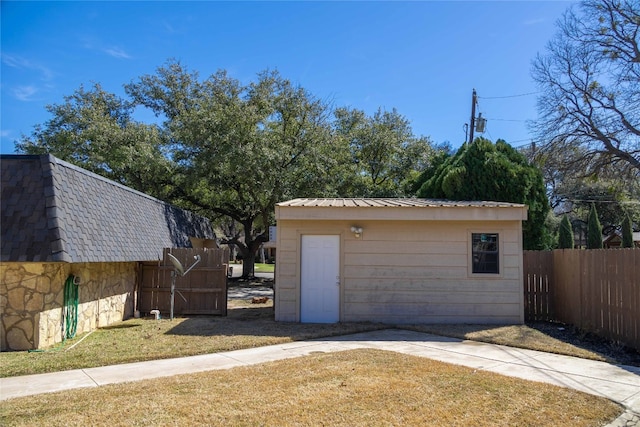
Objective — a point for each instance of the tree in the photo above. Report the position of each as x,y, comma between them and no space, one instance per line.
484,171
612,201
590,84
240,149
227,150
594,229
571,192
627,232
384,152
94,129
565,239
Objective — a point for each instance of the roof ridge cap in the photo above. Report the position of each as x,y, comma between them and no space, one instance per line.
58,251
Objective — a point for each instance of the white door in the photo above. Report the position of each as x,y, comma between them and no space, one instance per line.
320,279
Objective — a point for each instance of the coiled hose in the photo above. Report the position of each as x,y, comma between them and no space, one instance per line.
70,308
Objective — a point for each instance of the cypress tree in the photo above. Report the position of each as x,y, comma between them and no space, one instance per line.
627,232
565,239
497,172
594,229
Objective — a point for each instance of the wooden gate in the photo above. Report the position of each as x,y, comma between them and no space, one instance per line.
202,291
538,286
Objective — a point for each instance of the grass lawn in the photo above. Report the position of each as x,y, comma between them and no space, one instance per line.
264,268
247,325
257,268
354,388
148,339
521,336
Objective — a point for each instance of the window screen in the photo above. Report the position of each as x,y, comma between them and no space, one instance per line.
485,253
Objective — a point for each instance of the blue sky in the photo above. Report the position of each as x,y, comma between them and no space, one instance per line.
422,58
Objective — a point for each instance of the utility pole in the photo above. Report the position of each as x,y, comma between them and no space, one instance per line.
474,100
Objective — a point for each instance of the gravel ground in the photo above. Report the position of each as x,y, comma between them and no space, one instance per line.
239,289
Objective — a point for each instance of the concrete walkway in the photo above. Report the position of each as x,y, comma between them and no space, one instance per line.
618,383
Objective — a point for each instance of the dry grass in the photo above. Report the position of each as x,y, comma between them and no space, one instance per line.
527,336
512,335
251,325
148,339
247,325
354,388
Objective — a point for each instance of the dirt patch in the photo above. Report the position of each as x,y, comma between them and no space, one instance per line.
256,281
254,293
541,336
613,350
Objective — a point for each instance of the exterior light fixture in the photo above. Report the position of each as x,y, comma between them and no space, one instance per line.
357,231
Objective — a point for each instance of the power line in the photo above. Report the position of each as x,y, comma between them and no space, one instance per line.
529,142
507,120
620,202
509,96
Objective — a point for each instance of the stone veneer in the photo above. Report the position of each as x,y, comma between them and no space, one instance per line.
32,295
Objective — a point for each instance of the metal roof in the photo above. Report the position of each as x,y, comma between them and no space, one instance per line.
53,211
395,202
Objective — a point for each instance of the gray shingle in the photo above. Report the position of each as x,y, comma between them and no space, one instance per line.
52,210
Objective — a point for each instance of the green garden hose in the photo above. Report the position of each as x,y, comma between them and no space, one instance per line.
69,315
70,308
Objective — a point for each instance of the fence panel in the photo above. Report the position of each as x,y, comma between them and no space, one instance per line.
567,277
202,291
612,284
595,290
537,289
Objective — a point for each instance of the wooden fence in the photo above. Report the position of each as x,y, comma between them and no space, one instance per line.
595,290
202,291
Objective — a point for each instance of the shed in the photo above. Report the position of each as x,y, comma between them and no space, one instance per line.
59,220
399,261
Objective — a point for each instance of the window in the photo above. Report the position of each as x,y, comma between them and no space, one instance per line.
485,253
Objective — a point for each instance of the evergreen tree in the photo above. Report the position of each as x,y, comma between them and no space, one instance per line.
565,240
627,232
594,229
492,172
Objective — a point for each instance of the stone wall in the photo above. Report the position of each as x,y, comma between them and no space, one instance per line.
32,296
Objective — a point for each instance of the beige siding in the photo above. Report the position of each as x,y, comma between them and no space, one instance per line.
409,271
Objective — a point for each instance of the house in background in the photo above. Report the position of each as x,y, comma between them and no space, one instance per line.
61,222
614,240
399,261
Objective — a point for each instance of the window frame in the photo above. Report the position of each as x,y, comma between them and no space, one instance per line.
499,254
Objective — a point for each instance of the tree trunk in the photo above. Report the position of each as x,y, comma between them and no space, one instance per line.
249,250
248,264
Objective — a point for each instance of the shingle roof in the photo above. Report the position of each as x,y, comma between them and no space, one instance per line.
53,211
396,202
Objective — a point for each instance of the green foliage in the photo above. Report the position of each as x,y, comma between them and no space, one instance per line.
384,153
491,172
565,238
242,147
594,229
231,151
94,129
627,232
614,200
